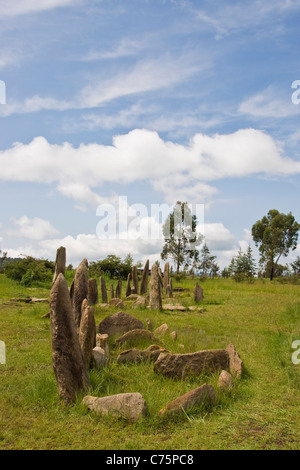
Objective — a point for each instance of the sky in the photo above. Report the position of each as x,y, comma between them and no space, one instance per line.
113,110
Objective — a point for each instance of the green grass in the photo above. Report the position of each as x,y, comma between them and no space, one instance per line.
261,412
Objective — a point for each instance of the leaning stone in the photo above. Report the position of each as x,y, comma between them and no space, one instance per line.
99,356
92,292
204,394
130,406
225,381
144,281
235,362
181,365
68,362
79,289
134,336
87,332
119,323
162,329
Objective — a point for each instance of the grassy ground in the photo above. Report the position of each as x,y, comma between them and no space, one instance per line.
262,412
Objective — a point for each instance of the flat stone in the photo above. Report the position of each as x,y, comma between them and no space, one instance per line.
119,323
116,302
175,307
205,393
137,335
130,406
137,355
181,365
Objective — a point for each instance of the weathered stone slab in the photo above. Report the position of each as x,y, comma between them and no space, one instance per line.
135,281
198,293
92,292
174,307
138,355
68,362
100,357
205,393
225,381
155,289
181,365
161,330
103,290
79,289
60,263
235,362
134,336
102,341
144,281
120,323
130,406
87,332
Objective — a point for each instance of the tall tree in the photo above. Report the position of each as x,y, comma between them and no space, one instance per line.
242,266
207,264
181,237
275,235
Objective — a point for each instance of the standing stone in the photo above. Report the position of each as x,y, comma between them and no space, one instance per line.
119,289
60,263
235,362
155,289
68,363
135,281
112,292
128,286
92,292
79,289
103,290
167,276
144,282
198,293
160,277
87,332
102,341
225,381
169,291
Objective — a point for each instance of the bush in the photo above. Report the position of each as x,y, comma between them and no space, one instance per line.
29,270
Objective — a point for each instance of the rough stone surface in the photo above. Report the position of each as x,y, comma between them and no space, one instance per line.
103,290
149,324
68,362
181,365
140,302
92,292
198,293
166,276
161,330
120,323
116,302
112,292
155,289
79,289
102,342
99,356
60,263
134,336
225,381
128,286
144,281
235,362
87,332
138,355
173,335
119,289
205,393
174,307
135,281
130,406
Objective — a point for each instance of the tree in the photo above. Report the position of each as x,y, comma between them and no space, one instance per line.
242,266
296,266
275,235
181,238
207,265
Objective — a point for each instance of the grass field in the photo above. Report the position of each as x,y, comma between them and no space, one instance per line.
261,412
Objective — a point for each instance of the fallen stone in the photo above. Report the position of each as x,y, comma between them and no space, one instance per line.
235,362
130,406
140,302
116,302
134,336
204,394
120,323
35,300
225,381
137,355
173,308
181,365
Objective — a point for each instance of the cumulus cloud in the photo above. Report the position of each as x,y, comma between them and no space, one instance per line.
12,8
35,228
141,155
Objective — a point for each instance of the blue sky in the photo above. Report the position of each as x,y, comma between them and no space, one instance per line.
155,101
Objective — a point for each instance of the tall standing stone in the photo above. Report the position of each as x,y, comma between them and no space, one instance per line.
198,293
60,263
170,289
103,290
119,289
135,281
87,332
112,292
79,289
144,281
92,292
155,289
128,286
166,276
68,363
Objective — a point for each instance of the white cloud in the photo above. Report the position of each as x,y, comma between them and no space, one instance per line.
124,48
218,237
11,8
141,155
270,103
35,228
